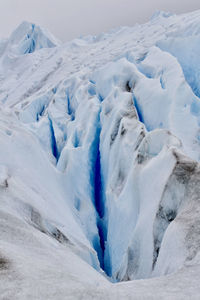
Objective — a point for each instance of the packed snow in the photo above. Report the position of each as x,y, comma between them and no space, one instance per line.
99,163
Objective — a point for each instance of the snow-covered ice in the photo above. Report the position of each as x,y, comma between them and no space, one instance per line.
99,163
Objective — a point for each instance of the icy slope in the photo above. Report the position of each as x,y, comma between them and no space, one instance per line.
99,162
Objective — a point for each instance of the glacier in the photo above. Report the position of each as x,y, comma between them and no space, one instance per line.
99,162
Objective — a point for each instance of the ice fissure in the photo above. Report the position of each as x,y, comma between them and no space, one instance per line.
96,178
113,125
110,175
138,109
115,129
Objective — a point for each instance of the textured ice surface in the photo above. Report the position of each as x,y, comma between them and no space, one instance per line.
99,162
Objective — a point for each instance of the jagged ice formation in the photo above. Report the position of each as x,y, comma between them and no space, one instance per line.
99,162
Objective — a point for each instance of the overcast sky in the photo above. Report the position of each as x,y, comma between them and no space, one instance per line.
68,19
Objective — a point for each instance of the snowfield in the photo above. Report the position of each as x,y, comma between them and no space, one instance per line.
100,163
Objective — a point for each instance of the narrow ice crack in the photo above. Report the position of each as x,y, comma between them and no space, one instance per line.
69,107
139,112
53,140
97,194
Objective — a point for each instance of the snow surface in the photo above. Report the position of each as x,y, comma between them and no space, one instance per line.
99,163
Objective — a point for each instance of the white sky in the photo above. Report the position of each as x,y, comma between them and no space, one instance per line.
68,19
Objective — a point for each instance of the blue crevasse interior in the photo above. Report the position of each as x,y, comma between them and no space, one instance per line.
32,37
40,113
76,140
96,183
92,89
53,140
162,83
69,107
140,113
31,47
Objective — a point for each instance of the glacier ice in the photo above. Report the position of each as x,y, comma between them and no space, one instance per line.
99,158
28,37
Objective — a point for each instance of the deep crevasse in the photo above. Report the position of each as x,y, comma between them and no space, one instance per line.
112,132
110,179
119,132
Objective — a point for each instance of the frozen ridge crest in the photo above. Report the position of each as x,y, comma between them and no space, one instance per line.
28,38
161,14
99,162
